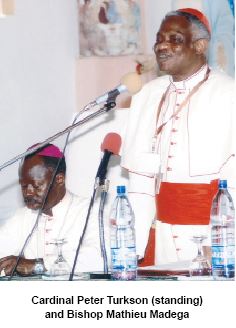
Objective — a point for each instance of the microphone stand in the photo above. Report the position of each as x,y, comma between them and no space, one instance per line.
104,190
103,183
108,106
82,235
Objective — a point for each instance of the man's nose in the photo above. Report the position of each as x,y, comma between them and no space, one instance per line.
29,190
161,45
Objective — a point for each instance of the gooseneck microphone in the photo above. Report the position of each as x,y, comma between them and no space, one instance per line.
110,146
130,82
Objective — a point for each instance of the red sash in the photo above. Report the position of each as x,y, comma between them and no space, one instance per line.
149,256
185,203
181,203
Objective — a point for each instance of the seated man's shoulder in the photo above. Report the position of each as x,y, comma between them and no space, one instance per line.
79,205
20,212
80,212
79,200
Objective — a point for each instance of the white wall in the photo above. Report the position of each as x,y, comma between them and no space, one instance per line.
38,51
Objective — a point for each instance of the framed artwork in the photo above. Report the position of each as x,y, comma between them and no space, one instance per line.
109,28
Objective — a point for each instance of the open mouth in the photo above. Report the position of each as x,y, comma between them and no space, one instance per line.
163,57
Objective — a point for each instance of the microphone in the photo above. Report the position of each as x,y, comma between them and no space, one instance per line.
110,146
131,82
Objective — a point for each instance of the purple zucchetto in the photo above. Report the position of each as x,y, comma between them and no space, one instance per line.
49,151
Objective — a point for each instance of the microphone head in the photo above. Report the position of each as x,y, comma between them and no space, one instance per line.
111,143
132,81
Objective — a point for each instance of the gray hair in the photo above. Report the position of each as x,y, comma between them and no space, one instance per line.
201,30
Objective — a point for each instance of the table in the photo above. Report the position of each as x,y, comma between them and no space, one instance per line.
143,275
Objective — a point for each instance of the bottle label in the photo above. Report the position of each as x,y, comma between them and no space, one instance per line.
124,259
222,256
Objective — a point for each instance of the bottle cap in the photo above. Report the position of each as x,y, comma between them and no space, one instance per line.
120,189
222,184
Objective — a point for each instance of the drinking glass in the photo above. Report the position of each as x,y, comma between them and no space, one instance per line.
200,265
60,269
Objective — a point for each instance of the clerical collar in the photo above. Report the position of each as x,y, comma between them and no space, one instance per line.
191,81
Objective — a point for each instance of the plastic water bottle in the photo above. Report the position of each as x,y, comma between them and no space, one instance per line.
222,234
122,238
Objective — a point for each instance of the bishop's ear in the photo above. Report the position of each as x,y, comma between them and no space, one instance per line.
201,46
60,179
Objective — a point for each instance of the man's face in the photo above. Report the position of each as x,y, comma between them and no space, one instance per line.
34,179
174,47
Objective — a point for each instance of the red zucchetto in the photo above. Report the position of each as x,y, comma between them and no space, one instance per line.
200,16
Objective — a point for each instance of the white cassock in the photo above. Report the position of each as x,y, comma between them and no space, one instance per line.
67,222
195,146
